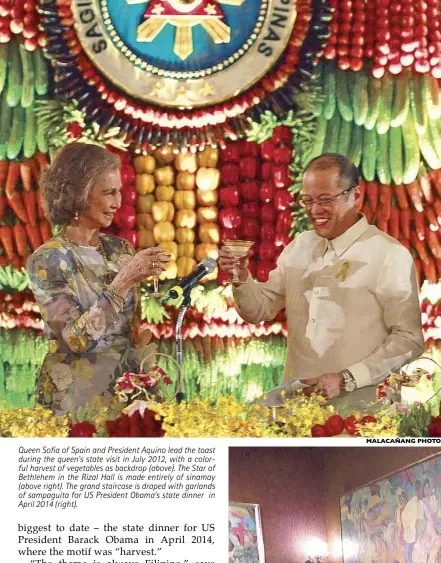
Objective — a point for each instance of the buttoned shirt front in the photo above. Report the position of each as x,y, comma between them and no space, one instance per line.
351,303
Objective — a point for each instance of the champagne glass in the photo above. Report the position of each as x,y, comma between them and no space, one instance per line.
239,249
156,294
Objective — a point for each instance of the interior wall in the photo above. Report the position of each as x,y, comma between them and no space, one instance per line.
287,483
346,469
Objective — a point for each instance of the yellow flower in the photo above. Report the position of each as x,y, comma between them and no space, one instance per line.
33,423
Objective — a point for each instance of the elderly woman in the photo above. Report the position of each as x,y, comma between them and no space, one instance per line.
87,283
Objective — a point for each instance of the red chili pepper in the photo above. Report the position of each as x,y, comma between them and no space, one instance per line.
2,204
419,246
20,238
418,222
248,167
249,191
268,213
435,176
16,204
40,209
362,193
34,236
30,203
267,191
385,200
369,214
429,270
268,231
401,195
426,188
229,174
431,219
229,197
282,135
418,271
380,219
45,230
394,222
405,216
372,194
433,243
267,149
405,243
415,194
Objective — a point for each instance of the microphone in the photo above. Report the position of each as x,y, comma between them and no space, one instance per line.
206,266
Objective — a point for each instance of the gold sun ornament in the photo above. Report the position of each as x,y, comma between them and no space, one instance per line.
184,15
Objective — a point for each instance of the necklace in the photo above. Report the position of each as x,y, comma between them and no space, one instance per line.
80,266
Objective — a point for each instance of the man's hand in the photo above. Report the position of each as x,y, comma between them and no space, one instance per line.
230,264
330,385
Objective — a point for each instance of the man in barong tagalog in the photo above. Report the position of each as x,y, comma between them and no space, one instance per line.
349,290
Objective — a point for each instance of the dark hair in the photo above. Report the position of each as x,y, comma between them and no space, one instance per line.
67,183
346,168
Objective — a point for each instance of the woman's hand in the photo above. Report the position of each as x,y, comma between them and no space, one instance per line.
229,263
146,263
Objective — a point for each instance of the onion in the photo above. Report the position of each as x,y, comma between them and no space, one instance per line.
30,31
422,65
16,26
407,59
5,35
30,44
395,67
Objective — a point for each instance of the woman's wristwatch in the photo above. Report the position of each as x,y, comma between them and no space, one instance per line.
349,382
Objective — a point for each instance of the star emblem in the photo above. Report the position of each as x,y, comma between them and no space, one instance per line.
184,15
210,9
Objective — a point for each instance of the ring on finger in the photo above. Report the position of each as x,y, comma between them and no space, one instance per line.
155,265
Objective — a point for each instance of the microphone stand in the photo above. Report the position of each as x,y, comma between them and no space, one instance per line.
182,311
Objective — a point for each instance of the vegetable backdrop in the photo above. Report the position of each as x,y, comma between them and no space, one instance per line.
360,78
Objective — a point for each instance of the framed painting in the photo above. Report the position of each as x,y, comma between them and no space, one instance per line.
245,540
396,519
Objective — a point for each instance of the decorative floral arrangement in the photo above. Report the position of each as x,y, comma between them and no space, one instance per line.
132,386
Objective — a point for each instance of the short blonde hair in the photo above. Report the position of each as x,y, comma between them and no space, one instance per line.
67,183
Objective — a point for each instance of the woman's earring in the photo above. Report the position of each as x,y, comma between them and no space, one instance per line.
76,216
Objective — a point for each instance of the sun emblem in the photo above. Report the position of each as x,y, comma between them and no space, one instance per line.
184,14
